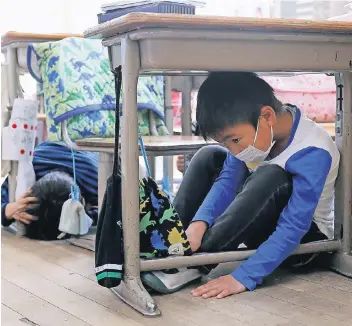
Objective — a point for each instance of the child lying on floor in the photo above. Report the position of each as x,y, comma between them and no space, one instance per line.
270,186
40,208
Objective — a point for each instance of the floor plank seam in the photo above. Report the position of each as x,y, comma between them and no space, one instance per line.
174,297
326,285
77,293
47,302
56,264
103,304
268,312
179,294
313,294
302,306
23,319
39,257
8,307
28,322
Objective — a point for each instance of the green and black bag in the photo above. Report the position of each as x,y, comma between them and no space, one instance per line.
161,231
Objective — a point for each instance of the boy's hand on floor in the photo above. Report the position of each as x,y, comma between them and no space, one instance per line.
219,288
195,234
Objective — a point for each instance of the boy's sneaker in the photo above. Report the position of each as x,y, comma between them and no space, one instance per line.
170,280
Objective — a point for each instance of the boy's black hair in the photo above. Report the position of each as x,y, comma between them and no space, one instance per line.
51,192
229,98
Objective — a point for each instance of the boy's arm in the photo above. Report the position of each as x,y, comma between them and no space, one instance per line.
309,168
223,191
4,201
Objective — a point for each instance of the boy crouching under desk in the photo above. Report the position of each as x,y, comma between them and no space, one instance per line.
270,186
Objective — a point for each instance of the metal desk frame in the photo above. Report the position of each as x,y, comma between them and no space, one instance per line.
186,50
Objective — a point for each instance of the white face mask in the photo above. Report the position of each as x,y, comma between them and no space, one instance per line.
254,155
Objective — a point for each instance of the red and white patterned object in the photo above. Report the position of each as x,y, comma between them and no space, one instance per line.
176,98
314,94
18,139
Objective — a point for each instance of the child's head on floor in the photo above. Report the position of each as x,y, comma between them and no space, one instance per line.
51,191
238,109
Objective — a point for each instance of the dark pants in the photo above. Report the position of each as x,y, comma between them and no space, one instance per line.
252,216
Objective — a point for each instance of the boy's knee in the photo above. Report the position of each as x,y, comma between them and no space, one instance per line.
211,153
271,176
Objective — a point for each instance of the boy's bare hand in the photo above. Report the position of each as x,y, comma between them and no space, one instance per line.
180,163
195,234
16,210
219,288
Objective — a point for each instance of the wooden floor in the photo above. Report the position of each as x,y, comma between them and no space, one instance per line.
53,284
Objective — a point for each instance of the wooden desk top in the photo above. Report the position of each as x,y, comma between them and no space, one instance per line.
11,37
155,143
134,21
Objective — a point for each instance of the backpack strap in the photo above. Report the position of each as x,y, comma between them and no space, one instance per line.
118,82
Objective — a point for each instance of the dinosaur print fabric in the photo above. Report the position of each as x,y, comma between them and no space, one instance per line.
160,226
79,87
160,230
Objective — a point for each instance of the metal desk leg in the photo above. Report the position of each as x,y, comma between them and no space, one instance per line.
168,161
153,132
186,118
152,165
186,106
104,171
342,261
131,290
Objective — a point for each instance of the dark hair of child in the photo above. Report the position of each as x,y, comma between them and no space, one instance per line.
51,192
229,98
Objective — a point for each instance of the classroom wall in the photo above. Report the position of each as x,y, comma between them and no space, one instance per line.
48,16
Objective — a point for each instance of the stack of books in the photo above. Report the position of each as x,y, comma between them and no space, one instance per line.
117,9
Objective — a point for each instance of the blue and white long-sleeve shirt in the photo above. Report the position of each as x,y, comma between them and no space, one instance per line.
49,157
312,158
